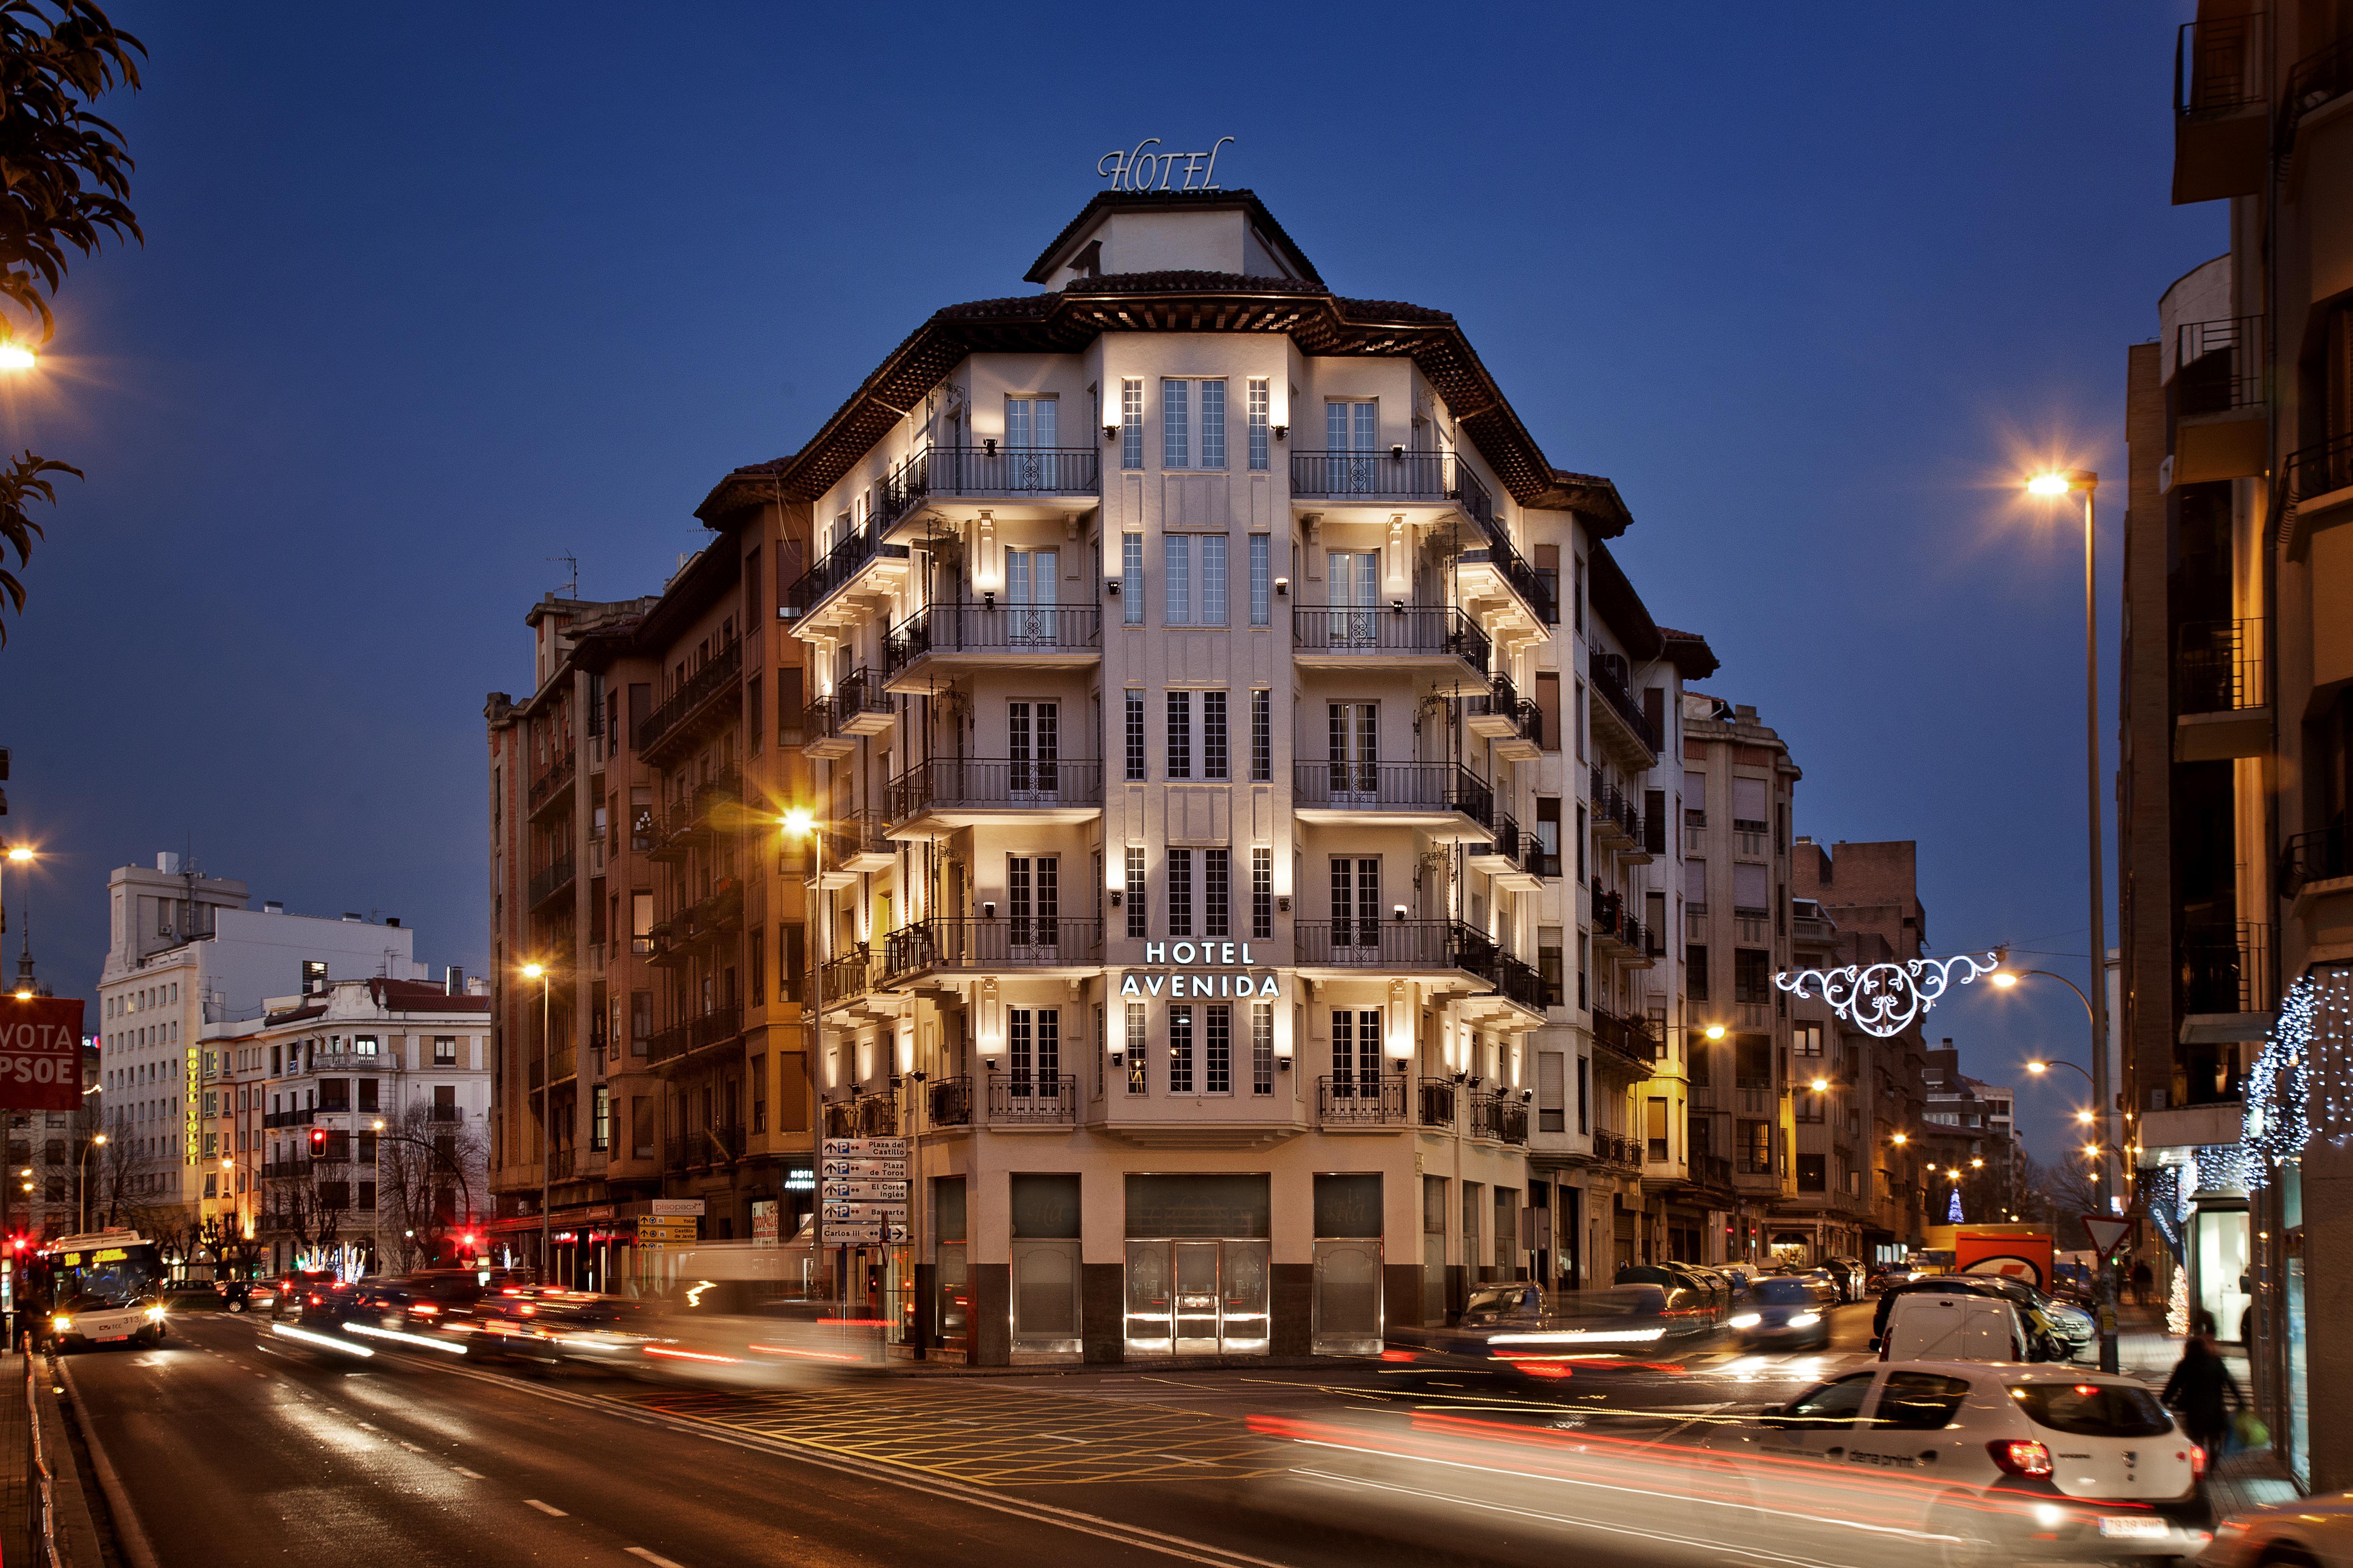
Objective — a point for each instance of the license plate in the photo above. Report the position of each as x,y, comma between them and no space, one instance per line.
109,1339
2135,1528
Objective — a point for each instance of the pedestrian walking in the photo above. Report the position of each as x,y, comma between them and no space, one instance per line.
2141,1280
2204,1393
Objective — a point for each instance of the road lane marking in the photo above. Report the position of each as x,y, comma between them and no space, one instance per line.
656,1558
548,1508
469,1475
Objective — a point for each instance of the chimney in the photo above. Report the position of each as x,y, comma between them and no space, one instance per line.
454,985
167,863
272,906
392,922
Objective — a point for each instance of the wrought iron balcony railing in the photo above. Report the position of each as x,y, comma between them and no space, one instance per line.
1356,1102
1437,1102
701,690
694,1034
1524,580
995,783
947,1101
2218,665
2223,966
1606,671
2316,857
2218,67
1017,1096
1393,787
840,564
547,884
2218,365
989,469
1008,943
2323,466
1387,631
2318,79
1502,1117
992,628
1396,474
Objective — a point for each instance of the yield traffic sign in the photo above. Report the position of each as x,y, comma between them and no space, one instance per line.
2108,1233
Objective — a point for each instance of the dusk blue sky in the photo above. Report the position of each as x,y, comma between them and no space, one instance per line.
431,294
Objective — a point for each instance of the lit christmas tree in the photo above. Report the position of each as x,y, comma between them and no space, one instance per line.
1953,1212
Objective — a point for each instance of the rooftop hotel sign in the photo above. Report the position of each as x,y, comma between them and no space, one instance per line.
1140,168
1238,982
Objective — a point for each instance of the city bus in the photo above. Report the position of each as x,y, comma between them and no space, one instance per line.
105,1288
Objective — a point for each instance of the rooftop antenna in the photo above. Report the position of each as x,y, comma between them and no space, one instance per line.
572,585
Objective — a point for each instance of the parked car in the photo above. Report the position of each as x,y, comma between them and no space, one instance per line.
1936,1325
2314,1530
2044,1340
1848,1274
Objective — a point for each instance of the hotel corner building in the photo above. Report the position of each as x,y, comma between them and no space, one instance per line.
2236,767
1250,809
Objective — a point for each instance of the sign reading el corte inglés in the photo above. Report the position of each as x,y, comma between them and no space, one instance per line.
862,1193
40,1053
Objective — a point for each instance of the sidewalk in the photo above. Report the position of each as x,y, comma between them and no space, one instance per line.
2245,1478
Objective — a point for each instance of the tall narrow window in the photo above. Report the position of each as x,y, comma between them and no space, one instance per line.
1356,900
1213,423
1033,896
1262,586
1177,611
1136,737
1033,737
1176,425
1130,579
1131,424
1180,1050
1180,892
1355,1051
1138,911
1180,735
1213,580
1261,736
1133,1046
1218,1050
1262,895
1030,425
1214,735
1262,1048
1353,734
1217,892
1259,403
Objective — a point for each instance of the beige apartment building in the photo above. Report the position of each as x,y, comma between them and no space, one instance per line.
2237,716
1212,809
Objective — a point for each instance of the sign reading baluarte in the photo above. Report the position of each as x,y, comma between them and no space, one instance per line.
862,1193
40,1053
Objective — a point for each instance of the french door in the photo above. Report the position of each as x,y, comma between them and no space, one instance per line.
1033,741
1352,437
1030,459
1030,583
1356,900
1355,1052
1356,596
1033,1040
1033,892
1353,738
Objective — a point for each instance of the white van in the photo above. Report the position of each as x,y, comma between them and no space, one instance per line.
1934,1326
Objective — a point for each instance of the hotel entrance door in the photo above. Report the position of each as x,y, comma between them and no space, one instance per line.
1198,1298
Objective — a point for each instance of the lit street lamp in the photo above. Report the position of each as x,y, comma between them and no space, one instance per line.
95,1139
539,971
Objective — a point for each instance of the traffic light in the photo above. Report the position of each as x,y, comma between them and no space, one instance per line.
318,1142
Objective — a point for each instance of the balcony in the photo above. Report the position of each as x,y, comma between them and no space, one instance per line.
2223,966
1445,643
947,1101
2220,697
861,561
1016,1099
708,918
1057,478
859,705
1512,721
933,799
548,789
705,698
1446,798
556,878
1495,571
1631,1039
1397,478
2310,857
702,1147
852,847
931,946
1502,1117
721,1024
1619,822
846,978
287,1118
2317,79
1513,857
1437,1097
923,647
2219,113
1352,1102
876,1115
1622,724
840,1120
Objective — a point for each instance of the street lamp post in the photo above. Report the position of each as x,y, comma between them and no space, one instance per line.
800,822
539,971
95,1139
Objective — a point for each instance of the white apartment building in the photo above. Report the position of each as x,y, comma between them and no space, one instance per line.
185,953
313,1099
1186,657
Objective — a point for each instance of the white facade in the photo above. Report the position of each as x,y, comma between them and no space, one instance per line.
185,953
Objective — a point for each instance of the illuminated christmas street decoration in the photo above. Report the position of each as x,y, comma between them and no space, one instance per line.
2177,1303
2302,1080
1885,999
1953,1213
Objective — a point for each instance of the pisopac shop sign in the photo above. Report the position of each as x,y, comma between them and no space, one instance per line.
1217,969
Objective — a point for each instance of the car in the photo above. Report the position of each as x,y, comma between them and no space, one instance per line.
302,1288
1848,1275
1992,1462
1782,1311
551,1326
2309,1532
2045,1339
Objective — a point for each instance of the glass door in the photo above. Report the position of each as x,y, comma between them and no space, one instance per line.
1149,1329
1355,589
1348,1298
1046,1296
1030,588
1196,1297
1352,736
1244,1326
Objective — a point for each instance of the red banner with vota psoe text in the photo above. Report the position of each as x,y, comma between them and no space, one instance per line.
40,1053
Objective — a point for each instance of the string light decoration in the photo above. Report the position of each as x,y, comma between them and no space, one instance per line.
1953,1210
2177,1303
2161,1187
2302,1080
1885,999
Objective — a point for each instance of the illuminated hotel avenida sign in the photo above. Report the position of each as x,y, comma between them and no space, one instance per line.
1228,984
1141,169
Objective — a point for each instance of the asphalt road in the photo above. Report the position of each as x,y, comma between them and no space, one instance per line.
235,1446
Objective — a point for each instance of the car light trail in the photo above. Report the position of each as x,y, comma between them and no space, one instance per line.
692,1355
1581,1337
811,1355
375,1333
322,1341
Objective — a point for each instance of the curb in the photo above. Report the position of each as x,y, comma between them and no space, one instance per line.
129,1534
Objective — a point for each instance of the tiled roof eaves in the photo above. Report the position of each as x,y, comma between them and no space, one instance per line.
1066,320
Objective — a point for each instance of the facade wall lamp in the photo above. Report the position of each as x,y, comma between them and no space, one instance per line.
1111,432
1282,588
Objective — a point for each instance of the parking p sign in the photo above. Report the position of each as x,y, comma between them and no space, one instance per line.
40,1053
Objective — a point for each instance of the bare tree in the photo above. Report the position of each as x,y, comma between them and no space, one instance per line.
434,1174
2060,1195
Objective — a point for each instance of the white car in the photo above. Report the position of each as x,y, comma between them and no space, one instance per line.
1981,1462
2309,1530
